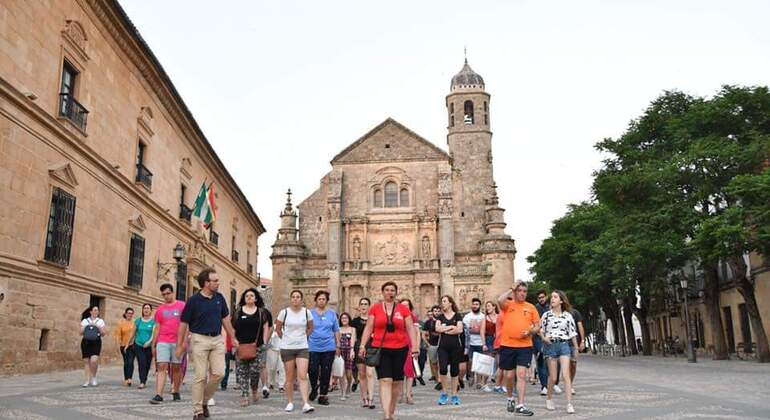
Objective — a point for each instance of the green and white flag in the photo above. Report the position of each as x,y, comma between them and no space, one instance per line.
205,209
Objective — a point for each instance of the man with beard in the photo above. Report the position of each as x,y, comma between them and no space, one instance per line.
472,322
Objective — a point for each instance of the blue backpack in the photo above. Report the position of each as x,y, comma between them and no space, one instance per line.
91,332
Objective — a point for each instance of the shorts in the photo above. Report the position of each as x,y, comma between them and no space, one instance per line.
511,357
392,363
287,355
433,354
166,353
90,348
557,349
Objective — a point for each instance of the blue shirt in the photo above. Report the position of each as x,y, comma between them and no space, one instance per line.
324,328
204,315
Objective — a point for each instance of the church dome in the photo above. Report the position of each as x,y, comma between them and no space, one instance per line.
467,78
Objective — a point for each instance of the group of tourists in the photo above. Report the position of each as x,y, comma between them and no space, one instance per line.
384,346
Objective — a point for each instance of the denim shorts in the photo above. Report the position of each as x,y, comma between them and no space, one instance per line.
166,353
557,349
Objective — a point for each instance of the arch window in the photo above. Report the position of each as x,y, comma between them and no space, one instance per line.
378,198
468,111
391,194
404,198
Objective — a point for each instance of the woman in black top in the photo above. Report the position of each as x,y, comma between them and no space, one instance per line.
365,373
450,348
249,323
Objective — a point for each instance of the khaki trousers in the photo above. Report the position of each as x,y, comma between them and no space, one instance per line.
208,358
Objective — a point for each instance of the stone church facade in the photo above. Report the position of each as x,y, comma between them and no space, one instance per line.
395,207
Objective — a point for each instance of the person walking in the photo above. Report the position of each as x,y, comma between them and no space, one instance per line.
449,326
142,339
92,329
204,315
390,329
164,339
229,357
124,335
409,373
488,332
557,330
249,324
365,373
581,333
348,342
276,376
262,343
519,325
429,329
540,363
323,345
473,323
293,325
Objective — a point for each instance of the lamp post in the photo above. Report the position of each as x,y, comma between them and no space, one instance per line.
621,328
690,350
179,254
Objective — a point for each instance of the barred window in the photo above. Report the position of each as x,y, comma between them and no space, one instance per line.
136,261
391,194
404,198
58,242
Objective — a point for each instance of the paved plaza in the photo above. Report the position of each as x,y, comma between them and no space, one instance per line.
608,388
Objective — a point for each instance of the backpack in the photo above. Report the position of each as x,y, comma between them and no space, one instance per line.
91,332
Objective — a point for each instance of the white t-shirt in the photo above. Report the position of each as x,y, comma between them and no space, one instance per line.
294,328
98,322
472,323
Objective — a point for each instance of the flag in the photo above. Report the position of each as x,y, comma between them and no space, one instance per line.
205,208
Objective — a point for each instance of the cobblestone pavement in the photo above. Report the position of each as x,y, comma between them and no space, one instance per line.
608,388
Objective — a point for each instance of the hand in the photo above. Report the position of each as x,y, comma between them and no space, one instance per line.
352,355
235,342
581,347
415,354
336,352
362,352
525,333
547,340
179,351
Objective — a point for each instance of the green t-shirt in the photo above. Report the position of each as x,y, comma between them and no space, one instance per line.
143,331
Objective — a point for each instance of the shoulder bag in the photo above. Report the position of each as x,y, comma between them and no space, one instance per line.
248,351
373,353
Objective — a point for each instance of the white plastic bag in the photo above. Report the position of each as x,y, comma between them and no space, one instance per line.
338,367
483,364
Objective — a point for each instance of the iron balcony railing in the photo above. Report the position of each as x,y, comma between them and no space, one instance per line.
235,256
185,213
143,175
214,238
73,110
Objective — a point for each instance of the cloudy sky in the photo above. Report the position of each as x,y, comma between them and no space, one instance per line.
279,87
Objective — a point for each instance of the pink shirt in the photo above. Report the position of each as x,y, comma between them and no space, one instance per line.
167,316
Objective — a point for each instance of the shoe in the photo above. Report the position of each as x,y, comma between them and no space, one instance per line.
511,406
93,382
570,409
176,397
549,405
206,409
573,391
354,387
522,410
455,400
142,386
85,385
443,399
199,417
211,402
438,386
499,390
486,388
323,400
157,399
289,407
344,398
265,392
130,382
421,381
544,391
432,378
462,384
281,390
307,408
414,382
313,394
557,390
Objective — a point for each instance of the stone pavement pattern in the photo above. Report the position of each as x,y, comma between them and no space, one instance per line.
608,388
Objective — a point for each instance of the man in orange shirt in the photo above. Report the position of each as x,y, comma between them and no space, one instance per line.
520,323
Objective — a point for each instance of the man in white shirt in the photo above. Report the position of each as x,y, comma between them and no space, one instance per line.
473,321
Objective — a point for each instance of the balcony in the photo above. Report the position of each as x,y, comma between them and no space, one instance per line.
235,256
72,110
144,176
250,268
185,213
214,238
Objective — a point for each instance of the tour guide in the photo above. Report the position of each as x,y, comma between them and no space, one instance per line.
204,314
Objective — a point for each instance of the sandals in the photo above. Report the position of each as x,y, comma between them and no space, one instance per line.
245,401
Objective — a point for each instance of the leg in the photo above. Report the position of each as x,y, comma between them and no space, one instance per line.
94,366
200,360
302,366
313,371
395,394
564,362
363,382
242,377
386,395
521,382
226,378
160,378
291,368
370,378
455,371
542,370
443,369
254,377
551,376
327,359
141,358
508,382
572,369
124,356
216,362
87,369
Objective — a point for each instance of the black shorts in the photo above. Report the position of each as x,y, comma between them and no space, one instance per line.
392,363
510,357
90,348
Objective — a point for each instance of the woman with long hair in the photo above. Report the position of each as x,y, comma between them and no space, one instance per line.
142,339
488,331
348,341
293,325
365,373
450,349
92,329
124,335
557,331
249,323
409,373
390,328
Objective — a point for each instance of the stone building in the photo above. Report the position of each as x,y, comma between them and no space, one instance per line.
395,207
100,162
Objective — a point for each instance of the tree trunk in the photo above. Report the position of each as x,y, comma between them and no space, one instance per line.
711,297
628,319
746,289
641,313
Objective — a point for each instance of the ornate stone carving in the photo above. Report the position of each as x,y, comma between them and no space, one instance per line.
445,207
64,174
75,35
138,223
466,293
356,249
426,249
391,252
475,270
444,184
333,211
335,184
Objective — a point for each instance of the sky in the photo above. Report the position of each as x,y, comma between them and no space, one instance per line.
280,87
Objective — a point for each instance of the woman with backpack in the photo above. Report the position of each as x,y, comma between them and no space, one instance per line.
249,323
92,329
294,324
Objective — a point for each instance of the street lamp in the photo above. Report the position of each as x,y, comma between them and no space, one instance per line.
621,328
179,254
690,350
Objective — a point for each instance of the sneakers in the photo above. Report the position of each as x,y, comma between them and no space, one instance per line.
307,408
522,410
85,385
323,400
455,400
438,386
570,409
462,384
499,390
176,397
573,391
289,407
443,399
511,406
544,391
557,390
157,399
421,381
549,405
486,388
93,382
265,392
354,387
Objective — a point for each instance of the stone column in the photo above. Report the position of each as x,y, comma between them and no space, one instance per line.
446,240
334,229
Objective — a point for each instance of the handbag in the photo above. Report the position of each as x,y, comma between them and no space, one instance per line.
248,351
373,353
